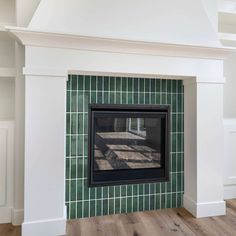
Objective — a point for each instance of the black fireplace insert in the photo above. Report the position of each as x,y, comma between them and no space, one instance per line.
128,144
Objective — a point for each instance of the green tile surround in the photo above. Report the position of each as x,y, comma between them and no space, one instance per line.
82,201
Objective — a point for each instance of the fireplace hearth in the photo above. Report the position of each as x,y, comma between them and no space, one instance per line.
128,144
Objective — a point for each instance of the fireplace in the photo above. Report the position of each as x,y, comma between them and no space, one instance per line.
128,144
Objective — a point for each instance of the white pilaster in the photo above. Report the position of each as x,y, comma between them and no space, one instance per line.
44,201
204,151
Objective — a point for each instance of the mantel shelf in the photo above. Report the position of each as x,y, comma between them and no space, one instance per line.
228,39
7,72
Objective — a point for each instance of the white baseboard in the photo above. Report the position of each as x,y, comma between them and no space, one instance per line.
5,215
53,227
206,209
17,216
229,191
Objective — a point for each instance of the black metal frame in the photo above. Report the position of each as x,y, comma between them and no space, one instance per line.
151,174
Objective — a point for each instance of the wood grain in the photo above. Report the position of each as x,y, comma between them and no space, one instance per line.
167,222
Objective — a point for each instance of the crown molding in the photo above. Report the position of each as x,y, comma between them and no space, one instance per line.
38,38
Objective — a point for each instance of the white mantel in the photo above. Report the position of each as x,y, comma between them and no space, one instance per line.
50,57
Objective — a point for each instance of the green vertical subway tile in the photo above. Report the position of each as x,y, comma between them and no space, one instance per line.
68,101
152,186
117,205
85,123
99,83
105,192
163,201
164,86
86,190
111,209
140,189
180,86
173,200
179,122
93,97
79,145
168,200
173,162
169,84
112,97
73,165
123,99
129,204
129,190
158,98
124,84
85,168
130,98
152,202
105,97
117,191
173,123
135,88
87,82
130,84
80,166
173,103
123,205
135,190
140,203
72,210
179,200
93,82
141,85
158,201
99,192
163,187
173,138
73,195
99,97
146,202
146,188
74,82
168,101
105,206
158,86
106,83
68,149
179,142
98,207
118,97
73,145
112,84
80,102
153,98
158,188
79,209
80,184
74,102
147,85
86,101
86,208
67,168
92,208
153,85
173,181
73,123
68,122
168,185
123,190
179,183
67,190
141,98
92,193
135,204
174,86
135,98
111,190
118,84
79,121
147,98
164,98
80,82
68,210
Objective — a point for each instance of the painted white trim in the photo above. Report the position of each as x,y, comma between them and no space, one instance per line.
206,209
17,216
45,228
5,214
31,37
39,71
229,192
7,72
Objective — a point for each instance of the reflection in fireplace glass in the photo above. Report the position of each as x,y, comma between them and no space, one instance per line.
127,143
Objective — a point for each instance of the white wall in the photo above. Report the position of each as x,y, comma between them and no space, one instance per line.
25,10
7,98
7,11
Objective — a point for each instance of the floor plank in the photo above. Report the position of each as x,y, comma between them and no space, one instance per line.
166,222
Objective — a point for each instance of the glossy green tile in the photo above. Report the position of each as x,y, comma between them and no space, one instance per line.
72,210
93,82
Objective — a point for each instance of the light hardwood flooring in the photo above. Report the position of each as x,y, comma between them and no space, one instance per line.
167,222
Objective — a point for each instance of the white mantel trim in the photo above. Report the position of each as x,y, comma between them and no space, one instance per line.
30,37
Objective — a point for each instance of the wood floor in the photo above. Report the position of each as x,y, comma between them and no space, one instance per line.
168,222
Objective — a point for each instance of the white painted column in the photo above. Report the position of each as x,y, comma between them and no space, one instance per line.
204,151
44,203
